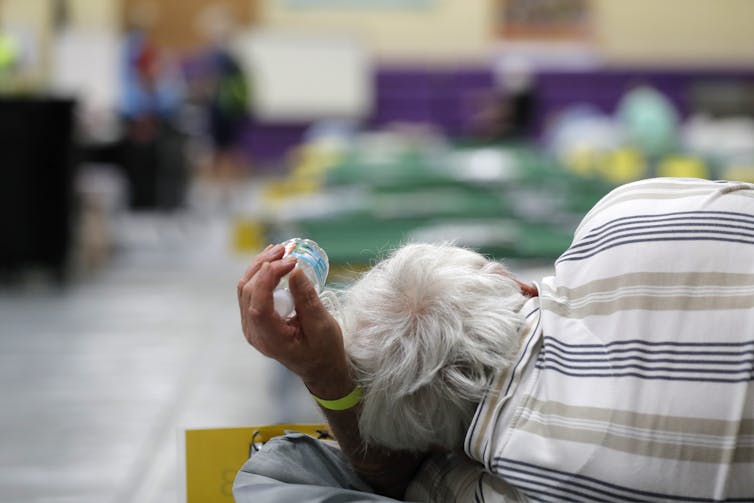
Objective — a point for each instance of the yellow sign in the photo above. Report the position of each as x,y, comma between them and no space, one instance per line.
248,235
214,456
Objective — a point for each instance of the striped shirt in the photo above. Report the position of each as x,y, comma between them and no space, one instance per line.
635,378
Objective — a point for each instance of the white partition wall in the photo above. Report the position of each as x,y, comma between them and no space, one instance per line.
296,77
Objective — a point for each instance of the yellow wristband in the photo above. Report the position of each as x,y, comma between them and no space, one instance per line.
348,401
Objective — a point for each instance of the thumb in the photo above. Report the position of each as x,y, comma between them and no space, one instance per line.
309,308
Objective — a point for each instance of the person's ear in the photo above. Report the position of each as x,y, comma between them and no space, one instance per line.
526,289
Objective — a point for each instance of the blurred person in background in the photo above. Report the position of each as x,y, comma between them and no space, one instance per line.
221,85
506,113
627,374
151,99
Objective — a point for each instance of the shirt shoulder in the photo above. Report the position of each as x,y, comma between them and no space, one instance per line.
665,195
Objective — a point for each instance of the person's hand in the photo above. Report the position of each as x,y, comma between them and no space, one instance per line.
309,344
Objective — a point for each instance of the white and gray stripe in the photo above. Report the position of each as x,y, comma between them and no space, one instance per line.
642,360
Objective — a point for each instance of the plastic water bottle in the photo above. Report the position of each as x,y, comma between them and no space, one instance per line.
309,257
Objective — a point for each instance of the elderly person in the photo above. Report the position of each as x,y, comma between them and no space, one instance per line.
627,375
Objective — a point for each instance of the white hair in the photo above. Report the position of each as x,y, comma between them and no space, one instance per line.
425,330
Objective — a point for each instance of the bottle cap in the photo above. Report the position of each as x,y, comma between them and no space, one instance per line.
283,301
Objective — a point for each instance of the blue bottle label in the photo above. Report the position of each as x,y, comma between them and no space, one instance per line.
307,251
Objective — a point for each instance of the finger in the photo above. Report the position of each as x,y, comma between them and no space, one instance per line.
252,307
309,308
265,328
272,252
246,292
265,281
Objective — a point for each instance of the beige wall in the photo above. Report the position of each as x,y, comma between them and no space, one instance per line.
29,14
445,30
676,32
679,32
37,14
95,14
664,32
32,21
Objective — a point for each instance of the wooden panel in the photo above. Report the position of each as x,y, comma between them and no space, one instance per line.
175,24
546,20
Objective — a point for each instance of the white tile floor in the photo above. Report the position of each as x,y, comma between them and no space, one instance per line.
96,380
